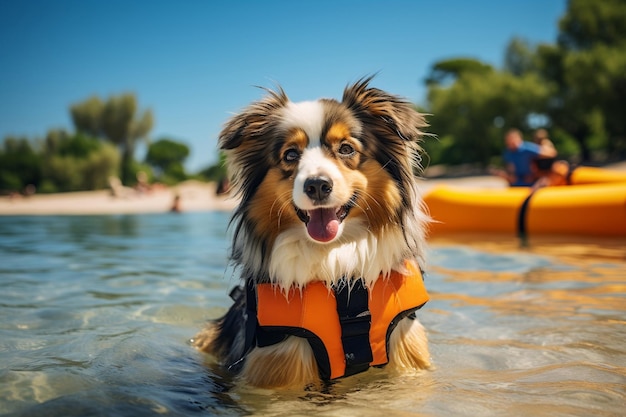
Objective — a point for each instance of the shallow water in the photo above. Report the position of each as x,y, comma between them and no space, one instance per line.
96,313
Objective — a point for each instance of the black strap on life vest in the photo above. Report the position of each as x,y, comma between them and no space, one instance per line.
355,319
250,316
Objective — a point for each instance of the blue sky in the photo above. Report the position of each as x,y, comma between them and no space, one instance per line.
194,63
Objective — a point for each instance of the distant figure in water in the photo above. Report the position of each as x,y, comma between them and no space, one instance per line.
176,204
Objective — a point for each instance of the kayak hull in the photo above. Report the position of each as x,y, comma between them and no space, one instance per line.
594,210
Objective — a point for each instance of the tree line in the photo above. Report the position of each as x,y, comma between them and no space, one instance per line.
106,134
575,88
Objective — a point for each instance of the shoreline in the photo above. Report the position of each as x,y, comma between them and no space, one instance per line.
194,196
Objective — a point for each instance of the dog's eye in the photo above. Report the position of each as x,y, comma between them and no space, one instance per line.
346,150
291,155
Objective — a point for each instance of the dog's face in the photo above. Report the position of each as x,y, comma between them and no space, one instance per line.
322,165
324,174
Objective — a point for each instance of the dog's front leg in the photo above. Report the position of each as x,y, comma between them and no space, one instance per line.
408,346
288,364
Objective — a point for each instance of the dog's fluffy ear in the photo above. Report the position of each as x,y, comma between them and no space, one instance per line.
253,121
393,114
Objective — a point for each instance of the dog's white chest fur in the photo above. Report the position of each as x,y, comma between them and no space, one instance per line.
295,260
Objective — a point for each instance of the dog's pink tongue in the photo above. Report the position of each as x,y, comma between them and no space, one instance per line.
323,224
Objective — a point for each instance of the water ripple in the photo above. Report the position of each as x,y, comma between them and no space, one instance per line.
96,313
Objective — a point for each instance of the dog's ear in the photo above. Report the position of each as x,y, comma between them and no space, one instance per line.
392,114
253,121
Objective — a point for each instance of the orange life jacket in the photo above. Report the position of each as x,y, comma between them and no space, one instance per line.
348,328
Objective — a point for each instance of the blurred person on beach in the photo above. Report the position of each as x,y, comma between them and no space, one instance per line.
519,157
142,186
176,204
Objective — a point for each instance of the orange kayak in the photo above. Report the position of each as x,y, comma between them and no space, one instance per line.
593,209
590,175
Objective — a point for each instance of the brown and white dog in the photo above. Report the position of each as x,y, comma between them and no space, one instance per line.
328,196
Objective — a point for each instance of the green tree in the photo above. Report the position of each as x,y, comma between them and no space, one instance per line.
588,66
78,145
590,23
469,115
519,57
123,126
576,87
117,120
87,116
77,162
446,72
20,164
166,153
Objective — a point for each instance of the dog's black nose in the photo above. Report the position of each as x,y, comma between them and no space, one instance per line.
318,188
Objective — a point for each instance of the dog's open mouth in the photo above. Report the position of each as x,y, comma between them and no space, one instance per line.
322,224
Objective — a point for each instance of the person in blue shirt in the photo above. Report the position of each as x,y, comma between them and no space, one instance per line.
519,156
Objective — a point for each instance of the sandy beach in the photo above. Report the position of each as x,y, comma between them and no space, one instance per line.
194,196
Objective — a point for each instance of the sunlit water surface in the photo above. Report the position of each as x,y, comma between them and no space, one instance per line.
96,313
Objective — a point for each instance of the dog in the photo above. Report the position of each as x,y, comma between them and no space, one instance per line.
329,237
